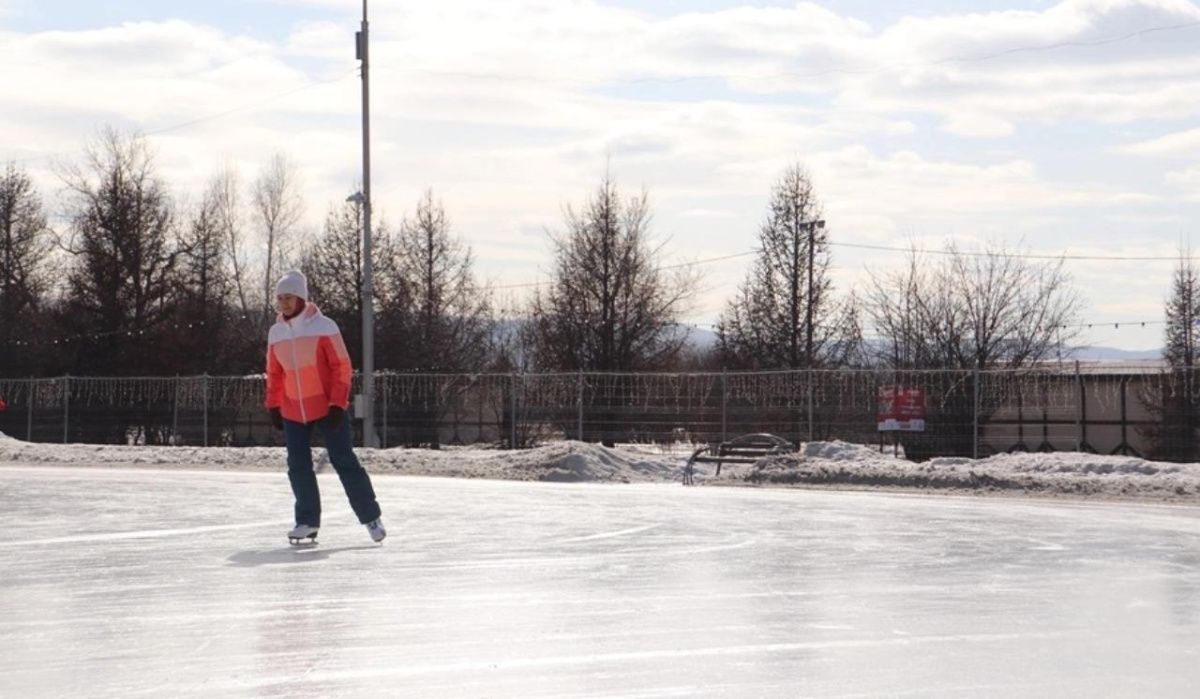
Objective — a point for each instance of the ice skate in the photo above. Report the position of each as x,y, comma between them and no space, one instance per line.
376,530
303,534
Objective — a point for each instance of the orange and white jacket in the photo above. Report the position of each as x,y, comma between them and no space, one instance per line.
308,367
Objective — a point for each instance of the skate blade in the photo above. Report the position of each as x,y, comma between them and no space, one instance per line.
305,541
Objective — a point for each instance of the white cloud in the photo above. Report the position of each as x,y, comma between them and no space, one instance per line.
980,125
906,185
1182,144
142,72
807,49
1186,180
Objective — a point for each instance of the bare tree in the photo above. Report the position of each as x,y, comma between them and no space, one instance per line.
123,239
205,339
510,339
1174,397
1183,312
451,311
973,311
610,307
25,245
995,309
785,313
277,208
224,193
914,316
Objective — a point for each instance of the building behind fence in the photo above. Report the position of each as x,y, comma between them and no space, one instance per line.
1146,411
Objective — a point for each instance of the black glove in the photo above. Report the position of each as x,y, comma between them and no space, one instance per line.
335,419
276,419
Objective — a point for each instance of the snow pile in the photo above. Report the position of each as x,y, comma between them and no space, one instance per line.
837,464
1059,473
563,462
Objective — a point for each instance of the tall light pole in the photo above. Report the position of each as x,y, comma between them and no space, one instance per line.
370,439
813,227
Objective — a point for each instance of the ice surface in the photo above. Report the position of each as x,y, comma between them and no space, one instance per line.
126,583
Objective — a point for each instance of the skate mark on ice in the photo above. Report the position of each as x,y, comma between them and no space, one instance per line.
610,535
143,534
510,664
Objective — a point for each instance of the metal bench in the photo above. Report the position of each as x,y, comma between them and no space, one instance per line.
746,449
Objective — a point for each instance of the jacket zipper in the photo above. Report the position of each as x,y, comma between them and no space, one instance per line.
296,366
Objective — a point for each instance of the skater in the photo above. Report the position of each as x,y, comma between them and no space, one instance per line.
308,386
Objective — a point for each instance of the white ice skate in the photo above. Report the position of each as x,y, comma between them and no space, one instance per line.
376,530
302,534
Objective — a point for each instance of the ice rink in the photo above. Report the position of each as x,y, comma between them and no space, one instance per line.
124,583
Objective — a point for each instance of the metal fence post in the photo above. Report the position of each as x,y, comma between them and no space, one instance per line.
204,392
66,406
580,401
512,419
383,437
1079,410
810,404
29,416
975,420
175,418
724,403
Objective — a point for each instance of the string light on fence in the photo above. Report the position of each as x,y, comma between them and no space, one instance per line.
141,332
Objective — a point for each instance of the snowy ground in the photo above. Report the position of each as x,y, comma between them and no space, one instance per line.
148,583
834,464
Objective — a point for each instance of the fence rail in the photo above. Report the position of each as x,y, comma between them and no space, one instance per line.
1141,410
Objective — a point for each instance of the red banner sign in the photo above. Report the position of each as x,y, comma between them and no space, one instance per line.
901,409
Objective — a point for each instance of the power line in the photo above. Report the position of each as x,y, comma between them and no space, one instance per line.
253,105
680,265
791,75
1070,44
1012,255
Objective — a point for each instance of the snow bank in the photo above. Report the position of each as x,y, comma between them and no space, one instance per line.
1058,473
563,462
816,464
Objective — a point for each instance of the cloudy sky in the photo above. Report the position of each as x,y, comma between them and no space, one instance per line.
1057,127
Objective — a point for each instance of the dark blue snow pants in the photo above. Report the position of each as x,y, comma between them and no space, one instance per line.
354,477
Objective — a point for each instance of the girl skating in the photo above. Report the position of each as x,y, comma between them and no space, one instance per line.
308,387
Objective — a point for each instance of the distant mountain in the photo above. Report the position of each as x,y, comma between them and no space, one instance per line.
701,338
704,339
1094,354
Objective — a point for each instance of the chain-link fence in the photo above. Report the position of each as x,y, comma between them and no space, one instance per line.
1141,410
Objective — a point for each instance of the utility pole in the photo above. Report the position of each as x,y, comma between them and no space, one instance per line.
368,304
813,226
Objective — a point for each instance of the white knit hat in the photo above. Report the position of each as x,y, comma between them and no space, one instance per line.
293,283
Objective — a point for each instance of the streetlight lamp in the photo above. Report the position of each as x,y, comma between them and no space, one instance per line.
370,439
